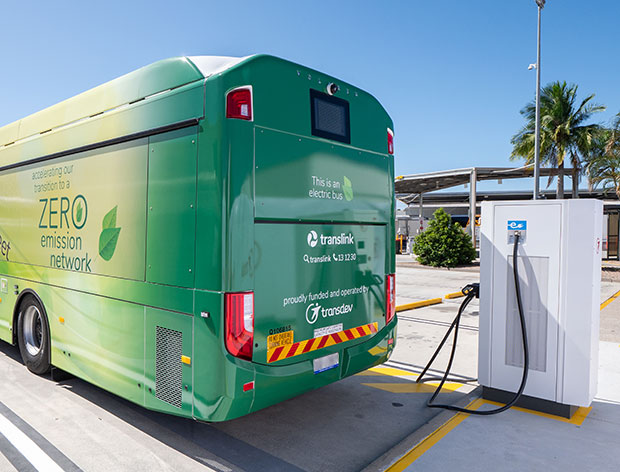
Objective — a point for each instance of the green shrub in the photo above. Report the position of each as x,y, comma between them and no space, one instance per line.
443,244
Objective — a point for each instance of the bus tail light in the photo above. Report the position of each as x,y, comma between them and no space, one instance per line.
390,141
239,103
239,324
390,297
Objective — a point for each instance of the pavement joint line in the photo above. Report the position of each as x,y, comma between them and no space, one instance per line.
610,299
419,304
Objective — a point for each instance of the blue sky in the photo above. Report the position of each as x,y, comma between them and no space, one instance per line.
452,74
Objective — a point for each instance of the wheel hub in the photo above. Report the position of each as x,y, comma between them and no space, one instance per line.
33,330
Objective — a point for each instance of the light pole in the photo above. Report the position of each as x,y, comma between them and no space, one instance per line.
541,5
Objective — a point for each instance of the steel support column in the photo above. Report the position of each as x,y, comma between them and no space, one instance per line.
472,205
421,215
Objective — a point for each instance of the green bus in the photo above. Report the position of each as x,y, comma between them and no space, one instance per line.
205,236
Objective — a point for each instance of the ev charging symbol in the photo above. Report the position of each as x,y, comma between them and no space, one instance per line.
313,238
515,226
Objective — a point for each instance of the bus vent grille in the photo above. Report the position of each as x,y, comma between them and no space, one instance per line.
168,366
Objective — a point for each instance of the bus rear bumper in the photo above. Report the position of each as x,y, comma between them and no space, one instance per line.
274,384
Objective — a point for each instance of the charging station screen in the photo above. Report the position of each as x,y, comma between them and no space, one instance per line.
330,117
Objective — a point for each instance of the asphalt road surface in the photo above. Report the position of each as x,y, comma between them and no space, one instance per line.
71,425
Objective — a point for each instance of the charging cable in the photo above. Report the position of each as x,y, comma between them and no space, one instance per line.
470,291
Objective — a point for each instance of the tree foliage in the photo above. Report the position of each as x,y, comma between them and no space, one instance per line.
603,163
443,244
563,132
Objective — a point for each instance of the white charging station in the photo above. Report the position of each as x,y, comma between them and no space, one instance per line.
559,265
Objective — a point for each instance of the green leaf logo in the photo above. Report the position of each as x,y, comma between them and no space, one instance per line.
78,212
109,220
109,235
348,189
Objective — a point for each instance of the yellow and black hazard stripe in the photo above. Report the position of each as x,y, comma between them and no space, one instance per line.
314,344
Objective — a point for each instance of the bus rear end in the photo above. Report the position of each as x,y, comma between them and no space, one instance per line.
309,253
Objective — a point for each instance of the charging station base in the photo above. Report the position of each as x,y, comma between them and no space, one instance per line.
530,403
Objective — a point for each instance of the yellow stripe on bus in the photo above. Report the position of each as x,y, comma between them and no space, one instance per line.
309,345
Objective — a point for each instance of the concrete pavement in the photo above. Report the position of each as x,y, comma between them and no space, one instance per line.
368,421
516,439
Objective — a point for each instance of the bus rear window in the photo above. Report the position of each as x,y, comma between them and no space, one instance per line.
330,117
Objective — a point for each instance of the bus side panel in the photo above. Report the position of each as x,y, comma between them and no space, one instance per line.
171,225
184,103
242,252
168,360
390,261
211,185
7,302
97,339
84,213
219,378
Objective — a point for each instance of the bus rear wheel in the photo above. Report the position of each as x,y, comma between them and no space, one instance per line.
33,336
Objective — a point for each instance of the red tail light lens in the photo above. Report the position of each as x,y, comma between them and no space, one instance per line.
239,324
390,297
239,103
390,138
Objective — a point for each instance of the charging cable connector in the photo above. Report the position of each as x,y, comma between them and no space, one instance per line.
472,291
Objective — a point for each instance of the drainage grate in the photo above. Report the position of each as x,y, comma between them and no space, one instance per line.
168,366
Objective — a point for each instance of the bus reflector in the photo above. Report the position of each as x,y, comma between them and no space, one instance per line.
390,137
390,297
239,324
248,386
239,103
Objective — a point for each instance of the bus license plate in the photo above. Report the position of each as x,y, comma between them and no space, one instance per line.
325,363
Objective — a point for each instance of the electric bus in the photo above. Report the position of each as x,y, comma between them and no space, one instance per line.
205,236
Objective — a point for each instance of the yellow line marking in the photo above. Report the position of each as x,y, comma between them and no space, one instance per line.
610,299
414,454
578,418
412,387
434,301
377,350
392,371
411,306
432,439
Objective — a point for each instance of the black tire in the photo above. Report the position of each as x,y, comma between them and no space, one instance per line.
33,335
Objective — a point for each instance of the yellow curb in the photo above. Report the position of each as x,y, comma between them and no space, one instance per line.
423,446
454,295
414,454
577,419
610,299
421,303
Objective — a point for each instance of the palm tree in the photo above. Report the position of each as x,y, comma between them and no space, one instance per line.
603,163
562,131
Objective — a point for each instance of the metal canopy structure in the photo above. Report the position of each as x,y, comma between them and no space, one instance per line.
409,188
